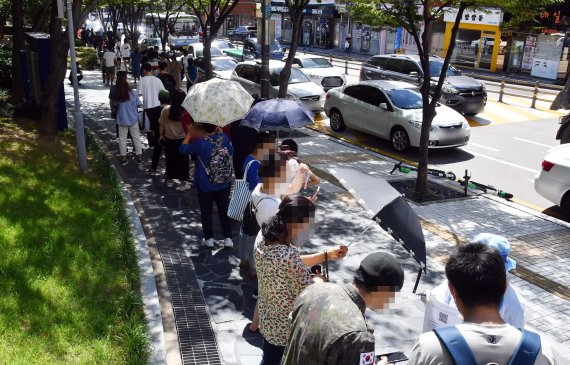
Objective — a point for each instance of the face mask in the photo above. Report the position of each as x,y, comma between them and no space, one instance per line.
303,237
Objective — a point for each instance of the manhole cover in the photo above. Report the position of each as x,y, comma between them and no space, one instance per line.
435,191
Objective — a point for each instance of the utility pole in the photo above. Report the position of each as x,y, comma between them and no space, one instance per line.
265,15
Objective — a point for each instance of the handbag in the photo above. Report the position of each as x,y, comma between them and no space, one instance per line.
240,196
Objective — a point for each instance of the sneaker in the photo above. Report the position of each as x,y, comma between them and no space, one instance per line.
183,186
124,161
255,294
169,183
208,242
228,243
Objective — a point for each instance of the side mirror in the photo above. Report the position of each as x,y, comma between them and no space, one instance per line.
383,106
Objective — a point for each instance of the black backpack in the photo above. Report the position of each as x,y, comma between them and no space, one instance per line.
249,224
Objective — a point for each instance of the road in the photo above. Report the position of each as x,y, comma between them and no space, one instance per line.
508,142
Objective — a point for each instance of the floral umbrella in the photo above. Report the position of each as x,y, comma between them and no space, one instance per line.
219,102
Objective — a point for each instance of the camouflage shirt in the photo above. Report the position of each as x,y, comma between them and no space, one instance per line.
329,327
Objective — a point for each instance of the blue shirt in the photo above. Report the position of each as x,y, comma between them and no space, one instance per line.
127,113
252,177
193,72
203,148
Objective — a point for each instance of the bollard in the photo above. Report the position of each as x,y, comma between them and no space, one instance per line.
534,95
346,65
502,89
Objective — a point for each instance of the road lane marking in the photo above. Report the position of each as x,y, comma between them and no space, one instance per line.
484,147
532,142
502,161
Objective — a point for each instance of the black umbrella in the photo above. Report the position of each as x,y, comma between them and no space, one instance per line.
387,207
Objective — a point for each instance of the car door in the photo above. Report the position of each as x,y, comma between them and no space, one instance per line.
374,69
410,72
352,106
376,120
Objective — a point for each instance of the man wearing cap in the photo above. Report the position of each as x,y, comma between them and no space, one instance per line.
328,323
511,307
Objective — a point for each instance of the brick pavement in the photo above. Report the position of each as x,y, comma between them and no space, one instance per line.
210,295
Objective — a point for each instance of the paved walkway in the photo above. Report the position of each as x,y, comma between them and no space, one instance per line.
206,300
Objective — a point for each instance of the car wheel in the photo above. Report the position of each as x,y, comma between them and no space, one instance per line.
336,121
400,140
565,204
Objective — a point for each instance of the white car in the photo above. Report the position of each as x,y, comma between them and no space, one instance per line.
553,181
301,88
223,67
320,71
392,110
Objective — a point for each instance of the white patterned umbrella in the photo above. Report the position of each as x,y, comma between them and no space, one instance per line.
218,102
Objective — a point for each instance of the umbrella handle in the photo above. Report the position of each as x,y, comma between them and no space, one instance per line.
417,280
360,235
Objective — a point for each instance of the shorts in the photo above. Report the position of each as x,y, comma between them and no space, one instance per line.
126,58
109,70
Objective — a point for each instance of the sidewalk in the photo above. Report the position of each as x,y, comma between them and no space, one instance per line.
207,302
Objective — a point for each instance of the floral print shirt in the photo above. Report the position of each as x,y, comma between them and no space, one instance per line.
281,277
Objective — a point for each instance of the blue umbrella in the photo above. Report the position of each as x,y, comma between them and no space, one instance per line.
277,115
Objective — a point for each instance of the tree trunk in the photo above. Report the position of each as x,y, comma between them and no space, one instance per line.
18,44
208,57
53,83
297,18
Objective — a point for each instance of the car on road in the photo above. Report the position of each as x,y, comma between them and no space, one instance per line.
223,44
196,50
392,110
553,180
252,50
223,67
320,71
242,32
148,43
462,93
178,43
301,88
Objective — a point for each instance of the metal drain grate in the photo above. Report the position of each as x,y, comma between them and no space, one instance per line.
195,334
436,192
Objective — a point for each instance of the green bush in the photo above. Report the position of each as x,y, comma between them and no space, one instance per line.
6,107
5,69
88,61
79,43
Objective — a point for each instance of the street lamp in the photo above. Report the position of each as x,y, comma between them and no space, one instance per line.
265,15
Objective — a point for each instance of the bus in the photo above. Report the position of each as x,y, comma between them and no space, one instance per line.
180,24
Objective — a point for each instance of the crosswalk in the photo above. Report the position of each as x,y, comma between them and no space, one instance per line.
509,112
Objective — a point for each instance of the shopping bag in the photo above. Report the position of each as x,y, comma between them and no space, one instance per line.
240,196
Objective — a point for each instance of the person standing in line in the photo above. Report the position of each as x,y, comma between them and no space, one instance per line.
184,60
149,88
136,58
126,54
172,134
109,66
328,323
167,79
125,103
282,273
213,177
191,74
175,69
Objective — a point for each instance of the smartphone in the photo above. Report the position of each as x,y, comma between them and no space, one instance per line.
393,357
316,192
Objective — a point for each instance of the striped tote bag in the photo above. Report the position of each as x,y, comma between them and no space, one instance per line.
240,196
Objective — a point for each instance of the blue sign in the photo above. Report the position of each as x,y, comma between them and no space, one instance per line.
398,39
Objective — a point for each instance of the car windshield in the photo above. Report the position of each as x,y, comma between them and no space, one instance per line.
405,98
436,66
153,42
213,50
296,77
316,63
222,64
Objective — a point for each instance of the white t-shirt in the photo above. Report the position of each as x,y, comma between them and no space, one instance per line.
126,50
149,87
109,59
488,343
266,205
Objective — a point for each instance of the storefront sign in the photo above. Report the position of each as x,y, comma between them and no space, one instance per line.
281,9
528,55
545,68
486,16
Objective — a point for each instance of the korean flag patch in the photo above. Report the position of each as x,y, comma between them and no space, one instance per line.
366,358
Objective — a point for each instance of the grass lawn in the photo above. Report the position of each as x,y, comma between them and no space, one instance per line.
69,280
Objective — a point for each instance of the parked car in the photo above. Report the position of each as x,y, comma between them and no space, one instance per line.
392,110
553,180
320,71
178,43
252,50
196,50
300,88
223,67
223,44
241,33
462,93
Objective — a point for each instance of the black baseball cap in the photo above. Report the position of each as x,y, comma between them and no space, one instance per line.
380,269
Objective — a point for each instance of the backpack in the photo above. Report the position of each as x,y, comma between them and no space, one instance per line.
220,169
525,354
168,82
249,224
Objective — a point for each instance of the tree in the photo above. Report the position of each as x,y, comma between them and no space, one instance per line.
215,13
131,13
163,13
296,9
58,64
17,45
411,15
